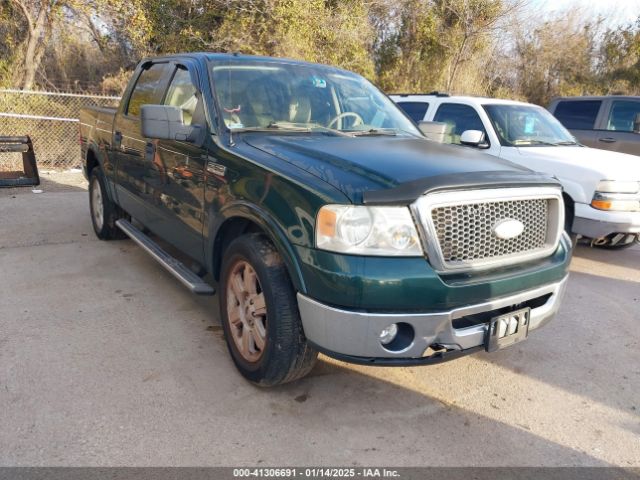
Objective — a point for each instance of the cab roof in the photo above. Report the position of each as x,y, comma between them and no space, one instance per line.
238,57
457,99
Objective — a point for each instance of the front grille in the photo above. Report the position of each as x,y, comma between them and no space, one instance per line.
470,229
465,232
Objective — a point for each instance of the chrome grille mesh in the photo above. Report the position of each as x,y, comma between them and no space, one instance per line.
465,232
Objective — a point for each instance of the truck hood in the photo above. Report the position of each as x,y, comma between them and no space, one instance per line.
603,163
356,165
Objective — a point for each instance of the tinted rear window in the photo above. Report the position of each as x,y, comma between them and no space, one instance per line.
415,110
578,115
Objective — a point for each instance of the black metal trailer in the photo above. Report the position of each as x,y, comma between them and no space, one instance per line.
26,177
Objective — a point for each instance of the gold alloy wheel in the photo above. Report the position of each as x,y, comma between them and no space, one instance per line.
246,311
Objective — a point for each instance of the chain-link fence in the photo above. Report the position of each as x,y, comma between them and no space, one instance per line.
51,120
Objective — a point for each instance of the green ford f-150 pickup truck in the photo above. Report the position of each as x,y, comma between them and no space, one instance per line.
321,214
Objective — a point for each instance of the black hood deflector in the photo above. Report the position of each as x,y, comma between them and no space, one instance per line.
408,192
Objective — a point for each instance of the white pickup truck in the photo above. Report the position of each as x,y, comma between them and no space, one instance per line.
601,188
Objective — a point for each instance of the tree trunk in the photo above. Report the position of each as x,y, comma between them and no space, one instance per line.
35,44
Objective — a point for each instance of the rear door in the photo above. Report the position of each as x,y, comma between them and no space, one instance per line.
580,117
138,181
617,127
181,167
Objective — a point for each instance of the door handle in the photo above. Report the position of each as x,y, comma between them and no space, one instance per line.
117,140
607,140
150,151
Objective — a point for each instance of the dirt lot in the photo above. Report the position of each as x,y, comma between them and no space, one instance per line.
107,360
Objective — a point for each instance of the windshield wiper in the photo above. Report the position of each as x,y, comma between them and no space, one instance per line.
517,143
567,142
391,132
294,127
273,126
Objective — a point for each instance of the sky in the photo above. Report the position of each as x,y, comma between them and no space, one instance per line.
616,12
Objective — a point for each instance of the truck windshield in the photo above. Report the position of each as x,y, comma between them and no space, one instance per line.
261,95
527,125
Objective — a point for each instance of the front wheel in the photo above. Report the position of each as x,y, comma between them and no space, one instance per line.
617,241
260,315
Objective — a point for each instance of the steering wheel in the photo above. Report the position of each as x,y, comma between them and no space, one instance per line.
358,119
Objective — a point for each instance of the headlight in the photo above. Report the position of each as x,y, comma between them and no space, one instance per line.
360,230
617,203
618,186
617,195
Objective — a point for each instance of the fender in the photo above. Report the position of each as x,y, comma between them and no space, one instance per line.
576,191
273,230
99,155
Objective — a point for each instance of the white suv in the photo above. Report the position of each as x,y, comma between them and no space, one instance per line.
602,188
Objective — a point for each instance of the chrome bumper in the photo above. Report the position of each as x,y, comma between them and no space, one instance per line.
593,223
356,333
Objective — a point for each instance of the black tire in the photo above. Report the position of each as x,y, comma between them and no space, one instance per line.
568,220
104,226
619,246
286,355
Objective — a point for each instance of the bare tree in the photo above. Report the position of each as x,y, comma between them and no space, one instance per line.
38,15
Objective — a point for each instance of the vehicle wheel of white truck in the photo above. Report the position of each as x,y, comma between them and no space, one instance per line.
617,241
104,212
260,315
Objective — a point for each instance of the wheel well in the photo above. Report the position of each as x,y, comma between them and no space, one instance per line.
230,230
92,162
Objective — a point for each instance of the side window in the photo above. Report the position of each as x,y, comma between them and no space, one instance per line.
415,110
578,115
623,115
182,94
147,89
458,118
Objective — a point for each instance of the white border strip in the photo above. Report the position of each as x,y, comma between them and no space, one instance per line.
35,92
37,117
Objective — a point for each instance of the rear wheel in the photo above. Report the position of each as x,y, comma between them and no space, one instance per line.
104,212
260,314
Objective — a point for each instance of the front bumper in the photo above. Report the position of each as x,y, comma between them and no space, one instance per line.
353,335
593,223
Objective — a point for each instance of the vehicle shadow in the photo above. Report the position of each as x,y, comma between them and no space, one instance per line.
628,258
454,414
402,413
375,421
591,349
51,182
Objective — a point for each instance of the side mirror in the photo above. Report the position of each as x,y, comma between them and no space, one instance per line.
636,123
473,138
164,122
433,130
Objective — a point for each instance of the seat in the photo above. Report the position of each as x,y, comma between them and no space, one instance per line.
184,97
267,101
300,110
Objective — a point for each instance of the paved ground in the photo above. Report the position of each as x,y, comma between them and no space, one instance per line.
106,360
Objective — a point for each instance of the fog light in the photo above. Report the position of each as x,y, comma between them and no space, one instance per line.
388,334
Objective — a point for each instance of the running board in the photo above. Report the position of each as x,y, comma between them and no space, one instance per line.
189,279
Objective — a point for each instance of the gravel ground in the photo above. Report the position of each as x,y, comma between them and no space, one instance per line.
105,360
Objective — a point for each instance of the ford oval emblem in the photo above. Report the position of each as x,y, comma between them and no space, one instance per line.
508,228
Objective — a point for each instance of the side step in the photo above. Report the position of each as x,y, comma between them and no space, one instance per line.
189,279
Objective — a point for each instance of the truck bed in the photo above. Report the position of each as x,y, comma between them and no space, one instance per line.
96,124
